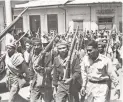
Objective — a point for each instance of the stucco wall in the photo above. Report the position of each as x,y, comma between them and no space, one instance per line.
78,12
43,18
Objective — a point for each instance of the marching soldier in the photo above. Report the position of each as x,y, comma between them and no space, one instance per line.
95,70
17,71
101,47
27,52
41,80
66,87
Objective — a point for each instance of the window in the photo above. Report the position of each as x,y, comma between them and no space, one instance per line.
19,24
105,22
52,22
78,23
35,24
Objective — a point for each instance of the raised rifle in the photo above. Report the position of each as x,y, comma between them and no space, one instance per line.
66,34
41,56
3,56
12,24
68,73
108,44
81,40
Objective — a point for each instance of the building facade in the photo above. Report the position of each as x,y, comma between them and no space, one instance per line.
92,16
50,17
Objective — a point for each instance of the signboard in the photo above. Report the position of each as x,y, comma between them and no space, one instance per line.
105,11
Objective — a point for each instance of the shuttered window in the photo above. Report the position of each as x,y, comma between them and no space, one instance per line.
52,23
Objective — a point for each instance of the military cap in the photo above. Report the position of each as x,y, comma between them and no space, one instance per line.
62,42
36,40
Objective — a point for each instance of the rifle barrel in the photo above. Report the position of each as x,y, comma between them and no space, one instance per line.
12,24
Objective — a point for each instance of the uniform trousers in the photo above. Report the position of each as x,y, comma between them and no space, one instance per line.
45,93
65,92
97,92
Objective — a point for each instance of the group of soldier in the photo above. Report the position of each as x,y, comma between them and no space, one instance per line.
95,67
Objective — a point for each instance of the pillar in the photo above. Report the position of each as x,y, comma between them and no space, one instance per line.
8,11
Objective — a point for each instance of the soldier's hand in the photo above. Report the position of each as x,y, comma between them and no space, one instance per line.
83,91
39,68
67,81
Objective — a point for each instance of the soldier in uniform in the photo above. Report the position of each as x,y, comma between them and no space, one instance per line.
101,47
96,70
17,71
66,88
41,80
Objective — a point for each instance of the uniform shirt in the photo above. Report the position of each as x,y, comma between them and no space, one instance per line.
59,70
46,64
16,66
98,70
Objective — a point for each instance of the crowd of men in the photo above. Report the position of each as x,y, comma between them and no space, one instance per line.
95,66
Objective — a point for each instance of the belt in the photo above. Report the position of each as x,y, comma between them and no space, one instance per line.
98,82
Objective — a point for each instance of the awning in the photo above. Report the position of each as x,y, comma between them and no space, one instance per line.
93,1
42,3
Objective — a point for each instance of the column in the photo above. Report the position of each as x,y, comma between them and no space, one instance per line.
8,12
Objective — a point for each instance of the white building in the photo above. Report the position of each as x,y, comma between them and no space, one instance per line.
58,15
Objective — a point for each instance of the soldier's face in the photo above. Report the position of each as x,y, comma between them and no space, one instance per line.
92,52
28,47
37,47
10,50
62,49
100,48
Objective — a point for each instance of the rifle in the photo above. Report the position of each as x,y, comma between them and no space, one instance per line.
108,43
12,24
41,56
81,39
67,31
67,74
3,56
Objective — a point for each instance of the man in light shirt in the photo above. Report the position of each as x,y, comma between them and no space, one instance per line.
96,70
27,52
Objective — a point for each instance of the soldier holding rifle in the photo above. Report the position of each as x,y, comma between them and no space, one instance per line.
40,73
66,76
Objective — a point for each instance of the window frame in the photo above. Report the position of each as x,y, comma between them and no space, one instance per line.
48,28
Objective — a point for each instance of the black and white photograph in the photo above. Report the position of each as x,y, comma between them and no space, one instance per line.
61,50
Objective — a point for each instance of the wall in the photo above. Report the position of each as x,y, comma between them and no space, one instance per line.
115,14
86,13
79,13
43,18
